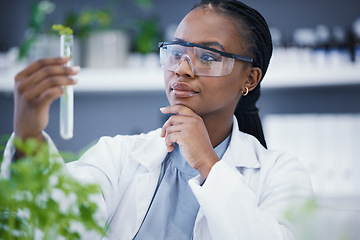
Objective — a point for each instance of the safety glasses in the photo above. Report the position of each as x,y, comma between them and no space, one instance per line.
203,60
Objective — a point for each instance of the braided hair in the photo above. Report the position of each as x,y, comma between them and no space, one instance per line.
255,32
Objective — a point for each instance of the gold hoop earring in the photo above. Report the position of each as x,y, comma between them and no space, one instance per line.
246,92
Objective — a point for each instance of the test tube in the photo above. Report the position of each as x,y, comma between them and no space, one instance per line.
67,99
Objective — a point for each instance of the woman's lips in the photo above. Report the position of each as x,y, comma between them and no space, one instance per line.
181,89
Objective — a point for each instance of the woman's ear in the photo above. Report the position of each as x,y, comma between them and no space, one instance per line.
254,77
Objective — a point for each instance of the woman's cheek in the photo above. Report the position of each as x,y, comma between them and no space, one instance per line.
167,76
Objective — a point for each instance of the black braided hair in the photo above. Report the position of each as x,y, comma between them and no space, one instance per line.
255,32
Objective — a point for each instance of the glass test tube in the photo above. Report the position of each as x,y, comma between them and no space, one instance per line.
67,99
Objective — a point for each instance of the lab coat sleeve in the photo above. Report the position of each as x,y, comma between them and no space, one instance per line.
100,165
233,210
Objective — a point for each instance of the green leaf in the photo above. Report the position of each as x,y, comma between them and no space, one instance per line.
62,30
27,200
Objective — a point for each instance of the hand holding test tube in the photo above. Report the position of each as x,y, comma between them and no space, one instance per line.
67,99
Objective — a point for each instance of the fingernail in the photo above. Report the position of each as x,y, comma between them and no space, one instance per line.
75,68
162,109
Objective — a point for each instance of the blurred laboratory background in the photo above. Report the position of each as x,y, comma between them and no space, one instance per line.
310,103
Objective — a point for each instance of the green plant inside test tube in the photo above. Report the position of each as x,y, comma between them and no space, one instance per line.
67,99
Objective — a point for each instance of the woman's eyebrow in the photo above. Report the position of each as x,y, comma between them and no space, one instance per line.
207,44
213,44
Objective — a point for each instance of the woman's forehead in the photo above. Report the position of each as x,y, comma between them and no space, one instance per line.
210,26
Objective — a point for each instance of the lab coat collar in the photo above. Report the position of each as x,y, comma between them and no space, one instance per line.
153,152
242,150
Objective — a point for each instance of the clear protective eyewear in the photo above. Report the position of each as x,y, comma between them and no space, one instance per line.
203,60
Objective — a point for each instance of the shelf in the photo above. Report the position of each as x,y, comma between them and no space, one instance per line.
311,75
151,79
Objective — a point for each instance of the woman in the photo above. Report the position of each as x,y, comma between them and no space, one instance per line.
198,177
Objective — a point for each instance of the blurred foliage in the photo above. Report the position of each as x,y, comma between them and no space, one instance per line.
41,201
88,20
309,207
83,22
313,220
62,30
147,35
38,12
3,141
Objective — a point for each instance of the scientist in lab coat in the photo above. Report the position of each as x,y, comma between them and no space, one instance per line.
206,174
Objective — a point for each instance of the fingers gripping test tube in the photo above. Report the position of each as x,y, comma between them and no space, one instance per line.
67,99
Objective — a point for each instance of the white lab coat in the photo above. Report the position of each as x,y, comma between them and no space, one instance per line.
244,197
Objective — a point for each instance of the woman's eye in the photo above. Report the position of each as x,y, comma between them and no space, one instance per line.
207,58
176,54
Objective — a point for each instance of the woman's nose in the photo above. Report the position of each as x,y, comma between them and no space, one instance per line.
185,68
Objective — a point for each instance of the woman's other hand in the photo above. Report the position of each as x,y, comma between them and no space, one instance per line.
188,130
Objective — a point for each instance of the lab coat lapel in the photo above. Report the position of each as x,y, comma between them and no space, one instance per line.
199,222
150,156
145,188
152,153
241,151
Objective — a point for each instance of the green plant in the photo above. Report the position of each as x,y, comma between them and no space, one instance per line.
82,22
88,20
41,199
38,12
62,30
148,35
